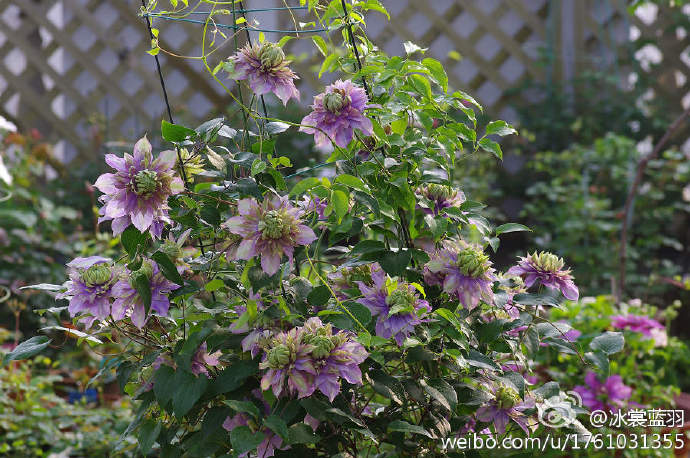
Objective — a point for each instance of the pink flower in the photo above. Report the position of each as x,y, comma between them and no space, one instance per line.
271,229
547,269
336,113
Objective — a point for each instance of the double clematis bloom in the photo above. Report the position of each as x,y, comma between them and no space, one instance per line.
440,197
464,271
137,193
271,229
547,269
609,396
336,113
311,358
90,287
505,406
128,302
266,70
397,305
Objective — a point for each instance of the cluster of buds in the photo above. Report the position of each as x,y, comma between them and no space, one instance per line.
545,261
336,101
276,224
98,275
145,182
271,56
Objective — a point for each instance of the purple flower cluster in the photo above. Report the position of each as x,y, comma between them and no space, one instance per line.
90,288
271,229
609,396
137,193
265,68
464,271
547,269
311,358
648,327
506,405
336,113
396,304
440,197
128,302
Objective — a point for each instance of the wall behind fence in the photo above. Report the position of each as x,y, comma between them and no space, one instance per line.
78,71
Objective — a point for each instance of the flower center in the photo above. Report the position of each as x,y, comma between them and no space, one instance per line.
401,301
96,275
278,356
274,224
271,56
145,182
323,346
507,397
472,263
437,191
335,101
547,261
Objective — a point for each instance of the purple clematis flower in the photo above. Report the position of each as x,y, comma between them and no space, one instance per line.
335,356
271,229
505,406
440,197
547,269
608,396
128,300
288,358
203,358
463,271
336,113
137,193
346,278
648,327
265,68
90,288
397,305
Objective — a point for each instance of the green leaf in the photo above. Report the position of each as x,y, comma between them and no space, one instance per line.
148,433
476,359
351,181
411,48
188,390
244,440
27,349
278,426
243,407
174,133
511,227
320,44
301,433
437,71
609,342
277,127
233,376
405,427
421,85
304,185
143,286
341,203
491,146
319,296
44,287
395,263
167,267
214,285
500,127
599,360
328,61
131,238
164,384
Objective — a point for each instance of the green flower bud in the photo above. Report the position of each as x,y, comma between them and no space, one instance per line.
335,101
271,56
322,346
171,249
273,225
278,356
472,263
145,182
506,397
97,274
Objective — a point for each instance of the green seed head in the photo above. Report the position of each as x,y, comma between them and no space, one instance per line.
472,262
507,397
97,274
145,182
335,101
274,225
271,56
278,356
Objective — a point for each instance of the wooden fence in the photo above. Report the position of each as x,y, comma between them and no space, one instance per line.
76,69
